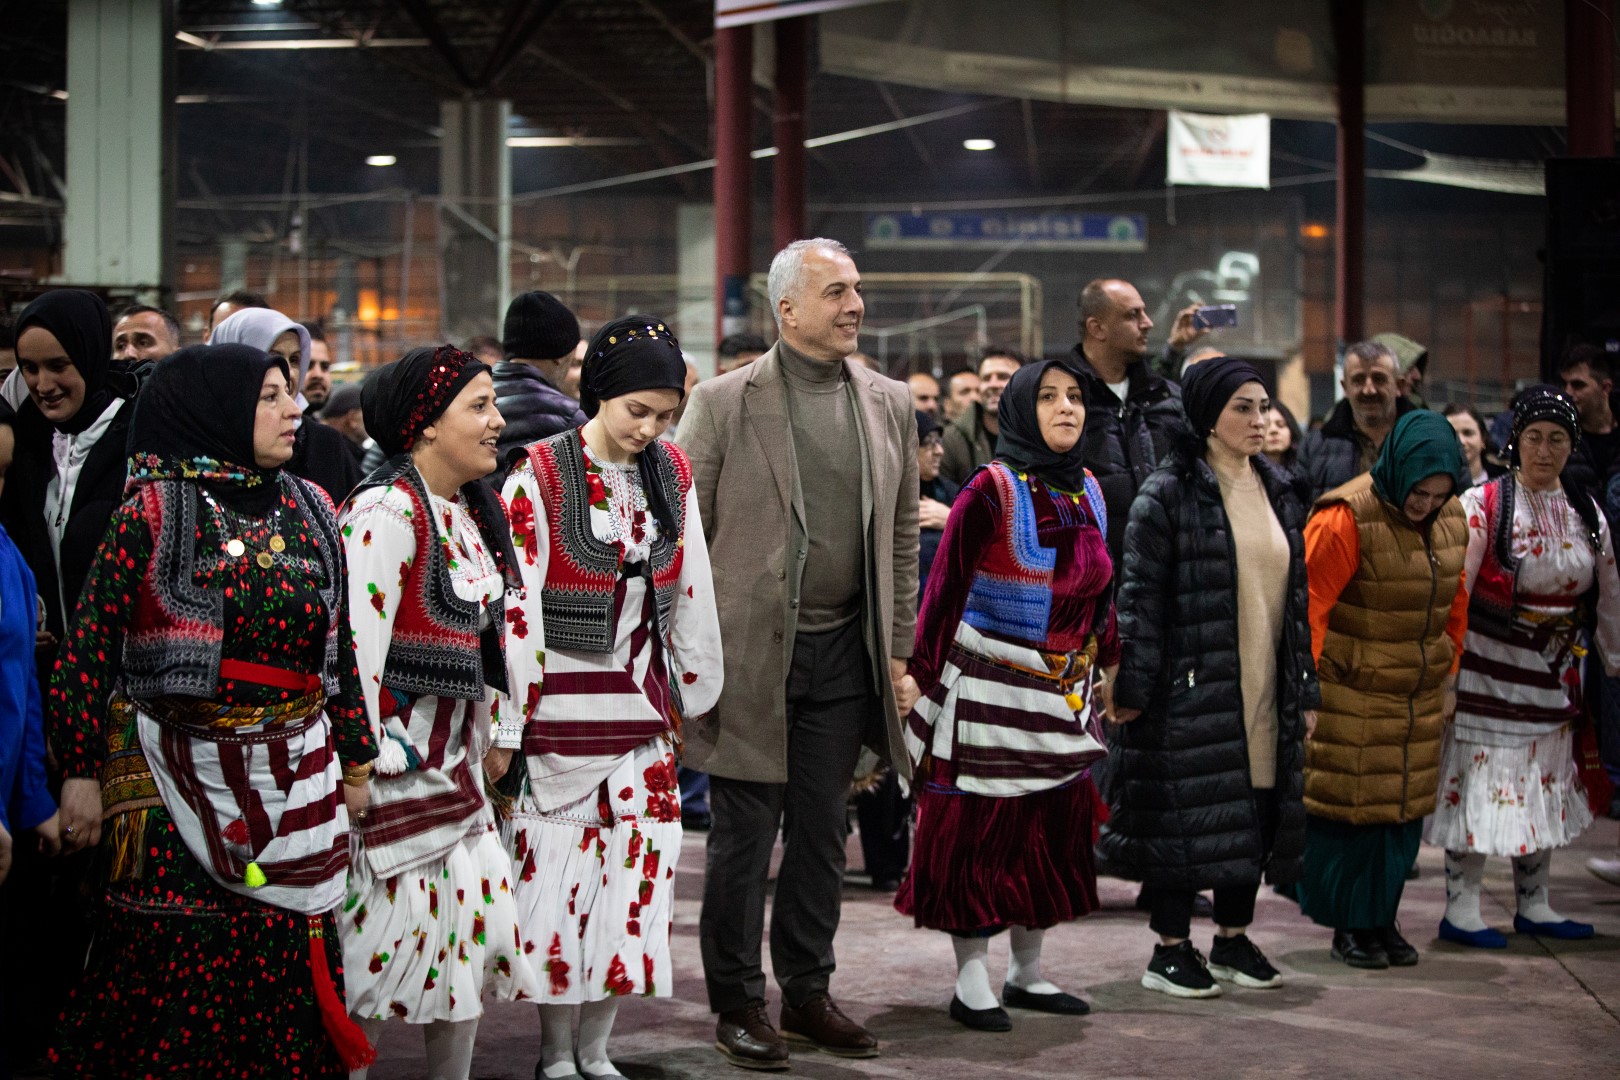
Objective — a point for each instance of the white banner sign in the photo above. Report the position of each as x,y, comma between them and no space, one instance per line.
742,12
1221,151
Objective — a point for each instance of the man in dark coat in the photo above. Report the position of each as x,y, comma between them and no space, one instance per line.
539,339
1131,411
1348,443
1587,377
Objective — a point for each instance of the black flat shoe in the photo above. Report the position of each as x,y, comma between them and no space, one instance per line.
1398,949
1062,1004
995,1019
1360,949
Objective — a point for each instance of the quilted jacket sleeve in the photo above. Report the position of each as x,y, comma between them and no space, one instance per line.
1145,592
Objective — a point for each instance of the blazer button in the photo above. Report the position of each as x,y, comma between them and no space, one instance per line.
776,636
781,575
793,603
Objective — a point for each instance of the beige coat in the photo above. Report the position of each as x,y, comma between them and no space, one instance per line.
737,433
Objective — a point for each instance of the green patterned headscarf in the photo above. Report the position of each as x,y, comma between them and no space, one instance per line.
1422,444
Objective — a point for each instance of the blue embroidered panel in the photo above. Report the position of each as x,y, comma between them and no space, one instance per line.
1005,605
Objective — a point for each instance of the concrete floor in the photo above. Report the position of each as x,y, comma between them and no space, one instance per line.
1535,1010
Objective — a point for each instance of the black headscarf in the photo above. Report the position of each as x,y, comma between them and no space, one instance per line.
1020,444
634,353
194,420
1209,384
81,322
1535,404
398,400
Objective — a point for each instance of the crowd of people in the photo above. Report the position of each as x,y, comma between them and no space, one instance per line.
330,705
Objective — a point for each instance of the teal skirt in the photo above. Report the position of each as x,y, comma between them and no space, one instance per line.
1354,874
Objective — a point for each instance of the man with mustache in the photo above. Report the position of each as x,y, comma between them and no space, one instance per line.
1348,443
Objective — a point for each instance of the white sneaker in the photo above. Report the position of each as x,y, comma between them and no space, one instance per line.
1606,869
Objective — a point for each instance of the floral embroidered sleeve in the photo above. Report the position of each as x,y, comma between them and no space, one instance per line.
525,654
695,633
379,544
87,665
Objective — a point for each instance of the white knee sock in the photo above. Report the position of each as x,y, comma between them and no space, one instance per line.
449,1046
1530,875
595,1024
373,1030
1024,967
557,1040
973,972
1465,876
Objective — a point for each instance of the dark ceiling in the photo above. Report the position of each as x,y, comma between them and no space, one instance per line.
630,76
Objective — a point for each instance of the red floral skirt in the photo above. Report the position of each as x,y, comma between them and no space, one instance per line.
981,864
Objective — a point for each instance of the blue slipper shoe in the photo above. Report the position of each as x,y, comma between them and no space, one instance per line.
1565,930
1478,939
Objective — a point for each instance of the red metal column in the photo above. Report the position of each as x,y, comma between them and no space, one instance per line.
1350,40
733,175
1589,77
788,130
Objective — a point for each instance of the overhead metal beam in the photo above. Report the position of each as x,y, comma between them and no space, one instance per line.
911,135
423,16
528,16
1031,150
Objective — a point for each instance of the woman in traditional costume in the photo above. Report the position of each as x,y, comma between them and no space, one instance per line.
1017,619
206,691
1542,583
428,925
616,639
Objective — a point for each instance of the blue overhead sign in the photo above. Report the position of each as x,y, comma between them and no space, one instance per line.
1038,232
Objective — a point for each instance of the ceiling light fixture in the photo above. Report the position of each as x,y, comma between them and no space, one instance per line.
266,3
381,160
978,144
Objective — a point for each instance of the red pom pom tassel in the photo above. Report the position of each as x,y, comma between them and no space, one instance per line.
351,1042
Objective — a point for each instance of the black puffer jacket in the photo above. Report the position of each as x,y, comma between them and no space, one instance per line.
532,408
1332,456
1182,811
1124,443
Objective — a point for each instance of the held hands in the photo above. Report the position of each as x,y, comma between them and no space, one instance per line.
496,761
49,832
80,815
356,797
1186,330
906,691
1310,723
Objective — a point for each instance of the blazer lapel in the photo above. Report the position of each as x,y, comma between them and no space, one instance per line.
765,411
874,421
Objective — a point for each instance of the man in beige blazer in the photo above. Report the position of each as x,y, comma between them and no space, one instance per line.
806,473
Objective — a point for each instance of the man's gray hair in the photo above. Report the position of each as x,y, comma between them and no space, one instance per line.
1373,351
787,270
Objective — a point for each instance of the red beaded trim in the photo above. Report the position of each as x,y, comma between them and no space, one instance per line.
434,394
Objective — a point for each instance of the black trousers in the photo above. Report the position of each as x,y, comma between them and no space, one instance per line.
830,701
1170,910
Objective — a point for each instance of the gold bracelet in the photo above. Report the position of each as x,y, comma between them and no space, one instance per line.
357,772
357,781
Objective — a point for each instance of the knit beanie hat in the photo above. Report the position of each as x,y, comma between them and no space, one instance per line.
539,327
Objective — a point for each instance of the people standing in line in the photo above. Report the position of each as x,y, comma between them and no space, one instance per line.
806,472
1282,437
1016,624
1477,453
205,710
1542,590
1348,442
344,414
615,643
1587,377
970,439
1215,686
924,393
1134,410
320,454
936,494
961,394
1411,362
540,335
1388,610
485,348
317,387
428,923
228,305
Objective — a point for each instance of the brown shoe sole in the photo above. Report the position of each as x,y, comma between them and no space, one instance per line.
836,1051
752,1063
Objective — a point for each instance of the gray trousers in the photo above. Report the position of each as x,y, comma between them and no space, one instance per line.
830,700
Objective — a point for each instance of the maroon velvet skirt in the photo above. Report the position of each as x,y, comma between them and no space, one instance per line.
980,864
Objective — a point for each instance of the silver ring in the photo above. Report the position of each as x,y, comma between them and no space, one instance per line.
68,829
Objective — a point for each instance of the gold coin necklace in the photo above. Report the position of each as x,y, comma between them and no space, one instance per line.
236,547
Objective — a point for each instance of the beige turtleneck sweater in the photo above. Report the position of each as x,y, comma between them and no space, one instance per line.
1262,583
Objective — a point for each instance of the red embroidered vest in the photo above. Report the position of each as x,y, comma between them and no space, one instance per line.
576,603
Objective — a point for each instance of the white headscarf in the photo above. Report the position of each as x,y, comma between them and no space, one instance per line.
260,327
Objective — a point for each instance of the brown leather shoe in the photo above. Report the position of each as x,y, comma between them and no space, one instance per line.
746,1039
820,1023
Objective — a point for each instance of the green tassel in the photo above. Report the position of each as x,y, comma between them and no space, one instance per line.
254,877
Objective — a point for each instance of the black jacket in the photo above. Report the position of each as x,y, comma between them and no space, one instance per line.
1182,812
1124,442
942,490
98,492
1332,455
532,408
324,457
